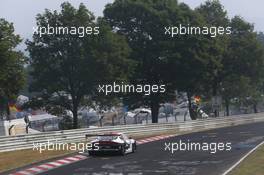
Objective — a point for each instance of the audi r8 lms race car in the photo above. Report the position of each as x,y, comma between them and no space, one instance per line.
112,142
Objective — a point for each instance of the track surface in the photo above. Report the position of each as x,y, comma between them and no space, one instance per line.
151,159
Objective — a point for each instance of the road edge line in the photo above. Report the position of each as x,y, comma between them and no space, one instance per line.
241,159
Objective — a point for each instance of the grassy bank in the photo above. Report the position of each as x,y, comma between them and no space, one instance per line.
15,159
252,165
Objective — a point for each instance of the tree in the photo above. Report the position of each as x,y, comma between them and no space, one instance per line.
215,16
234,86
157,55
12,77
67,68
243,64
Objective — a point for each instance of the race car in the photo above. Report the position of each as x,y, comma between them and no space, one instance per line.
112,142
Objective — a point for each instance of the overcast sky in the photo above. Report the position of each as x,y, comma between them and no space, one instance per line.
23,12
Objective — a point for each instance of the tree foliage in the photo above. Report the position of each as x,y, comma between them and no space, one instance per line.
70,67
133,48
12,76
215,15
243,64
160,59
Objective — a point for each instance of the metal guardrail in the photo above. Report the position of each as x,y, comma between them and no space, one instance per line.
20,142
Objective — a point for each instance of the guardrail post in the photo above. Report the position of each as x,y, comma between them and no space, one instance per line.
175,117
101,120
185,114
43,126
9,130
27,128
88,122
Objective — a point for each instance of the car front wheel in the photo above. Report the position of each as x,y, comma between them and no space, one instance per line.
134,147
122,150
91,153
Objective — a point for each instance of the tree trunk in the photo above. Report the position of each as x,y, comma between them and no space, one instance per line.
75,116
227,107
124,119
191,111
166,115
101,120
7,110
113,120
255,108
216,112
155,111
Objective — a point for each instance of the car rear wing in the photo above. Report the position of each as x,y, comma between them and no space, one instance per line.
96,135
91,135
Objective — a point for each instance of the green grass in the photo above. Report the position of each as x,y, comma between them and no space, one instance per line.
15,159
252,165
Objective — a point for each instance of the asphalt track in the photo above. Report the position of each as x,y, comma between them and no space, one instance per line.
152,159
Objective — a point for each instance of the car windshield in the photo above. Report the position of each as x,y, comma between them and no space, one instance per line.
108,137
